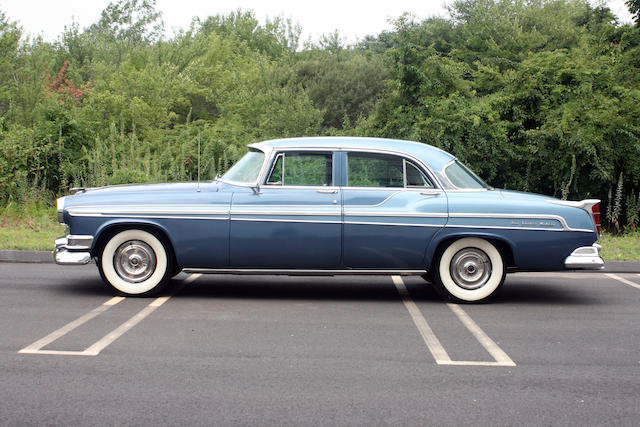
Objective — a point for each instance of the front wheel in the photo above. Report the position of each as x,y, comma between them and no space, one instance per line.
470,270
135,263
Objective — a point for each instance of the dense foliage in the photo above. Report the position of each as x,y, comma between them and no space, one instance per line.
536,95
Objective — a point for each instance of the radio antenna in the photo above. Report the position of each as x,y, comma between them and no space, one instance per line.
198,189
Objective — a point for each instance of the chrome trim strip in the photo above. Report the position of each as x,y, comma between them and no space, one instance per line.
282,206
396,214
298,272
393,223
562,221
517,228
151,216
287,213
315,221
155,211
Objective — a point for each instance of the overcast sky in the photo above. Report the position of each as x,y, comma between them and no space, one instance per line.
354,19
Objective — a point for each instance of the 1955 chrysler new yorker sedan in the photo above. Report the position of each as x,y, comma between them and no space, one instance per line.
329,206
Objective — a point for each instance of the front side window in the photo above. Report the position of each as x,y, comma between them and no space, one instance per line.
382,170
312,169
247,169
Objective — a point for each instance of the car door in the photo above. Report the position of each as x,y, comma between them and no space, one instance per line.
391,211
294,220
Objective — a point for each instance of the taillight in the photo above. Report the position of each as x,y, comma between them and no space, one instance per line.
595,210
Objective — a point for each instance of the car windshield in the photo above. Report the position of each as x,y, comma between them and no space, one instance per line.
247,169
462,177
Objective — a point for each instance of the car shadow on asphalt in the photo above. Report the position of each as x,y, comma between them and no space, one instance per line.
534,292
338,288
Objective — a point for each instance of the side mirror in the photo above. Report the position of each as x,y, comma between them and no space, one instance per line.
256,189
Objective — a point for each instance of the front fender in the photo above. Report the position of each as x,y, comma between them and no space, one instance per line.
128,223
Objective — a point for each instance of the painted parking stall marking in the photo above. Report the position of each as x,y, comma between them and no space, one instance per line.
36,347
104,342
433,344
623,280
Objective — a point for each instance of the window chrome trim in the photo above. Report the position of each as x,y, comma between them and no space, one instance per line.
404,156
301,187
273,166
272,159
430,172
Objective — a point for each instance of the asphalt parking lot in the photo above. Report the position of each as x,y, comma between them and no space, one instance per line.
553,349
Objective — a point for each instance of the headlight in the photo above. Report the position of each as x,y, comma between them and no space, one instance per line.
60,206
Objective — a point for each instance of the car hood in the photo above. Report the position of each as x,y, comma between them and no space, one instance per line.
136,194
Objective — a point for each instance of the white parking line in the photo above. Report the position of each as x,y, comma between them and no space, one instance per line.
97,347
433,344
623,280
501,358
101,344
36,346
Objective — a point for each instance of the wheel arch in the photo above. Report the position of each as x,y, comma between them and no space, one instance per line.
441,241
111,228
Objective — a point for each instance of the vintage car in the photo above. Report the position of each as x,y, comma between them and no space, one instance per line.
327,206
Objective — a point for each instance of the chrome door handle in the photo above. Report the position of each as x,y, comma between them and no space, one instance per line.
430,193
327,191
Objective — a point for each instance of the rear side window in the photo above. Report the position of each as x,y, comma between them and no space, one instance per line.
374,170
291,168
462,177
382,170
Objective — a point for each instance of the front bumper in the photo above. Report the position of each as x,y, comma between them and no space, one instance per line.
73,250
585,258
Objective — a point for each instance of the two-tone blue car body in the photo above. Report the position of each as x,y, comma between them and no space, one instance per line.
329,206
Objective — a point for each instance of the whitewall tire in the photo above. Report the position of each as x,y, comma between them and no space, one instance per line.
470,269
135,262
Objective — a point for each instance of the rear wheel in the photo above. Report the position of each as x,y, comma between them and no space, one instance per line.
470,270
135,263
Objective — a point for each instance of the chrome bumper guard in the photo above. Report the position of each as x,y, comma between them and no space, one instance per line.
585,258
73,250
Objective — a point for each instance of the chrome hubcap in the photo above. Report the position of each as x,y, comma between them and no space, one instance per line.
134,261
470,268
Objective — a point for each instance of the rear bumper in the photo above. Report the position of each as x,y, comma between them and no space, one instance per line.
585,258
73,250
